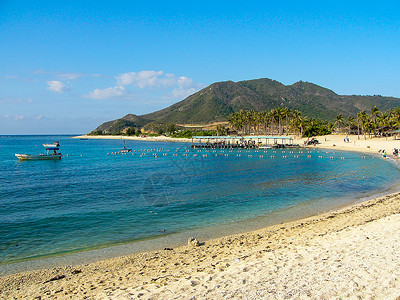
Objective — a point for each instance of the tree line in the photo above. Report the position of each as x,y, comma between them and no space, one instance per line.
375,123
285,121
277,121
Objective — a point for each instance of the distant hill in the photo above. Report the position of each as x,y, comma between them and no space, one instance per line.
215,102
130,120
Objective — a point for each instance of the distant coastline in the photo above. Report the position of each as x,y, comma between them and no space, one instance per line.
134,138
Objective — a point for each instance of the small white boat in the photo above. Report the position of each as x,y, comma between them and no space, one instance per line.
38,157
50,154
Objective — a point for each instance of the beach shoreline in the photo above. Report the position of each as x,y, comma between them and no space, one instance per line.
333,142
134,138
187,270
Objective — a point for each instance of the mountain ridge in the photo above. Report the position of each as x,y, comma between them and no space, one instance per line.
215,102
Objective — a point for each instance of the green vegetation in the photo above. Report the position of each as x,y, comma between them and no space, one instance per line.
96,132
131,131
161,128
219,100
278,121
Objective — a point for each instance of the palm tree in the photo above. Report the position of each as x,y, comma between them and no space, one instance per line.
278,114
350,123
396,118
265,119
221,130
339,121
296,121
302,123
374,114
362,119
259,120
286,113
235,121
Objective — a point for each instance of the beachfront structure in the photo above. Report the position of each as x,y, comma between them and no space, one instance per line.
241,141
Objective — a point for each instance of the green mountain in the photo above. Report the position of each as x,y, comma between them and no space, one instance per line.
215,103
116,126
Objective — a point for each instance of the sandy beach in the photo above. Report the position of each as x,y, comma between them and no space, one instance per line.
352,253
368,145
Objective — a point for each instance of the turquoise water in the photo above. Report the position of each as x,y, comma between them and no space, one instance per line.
93,198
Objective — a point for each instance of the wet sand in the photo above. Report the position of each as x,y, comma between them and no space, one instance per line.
353,252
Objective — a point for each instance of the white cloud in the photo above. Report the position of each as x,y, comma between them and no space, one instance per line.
159,85
6,116
38,117
154,79
19,117
185,82
57,86
141,79
108,93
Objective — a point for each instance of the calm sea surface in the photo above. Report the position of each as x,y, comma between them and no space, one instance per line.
93,198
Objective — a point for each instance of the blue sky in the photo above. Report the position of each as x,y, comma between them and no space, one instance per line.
68,66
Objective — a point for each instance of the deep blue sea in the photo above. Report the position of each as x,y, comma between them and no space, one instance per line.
92,198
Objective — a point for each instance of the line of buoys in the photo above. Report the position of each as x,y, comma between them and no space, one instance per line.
255,153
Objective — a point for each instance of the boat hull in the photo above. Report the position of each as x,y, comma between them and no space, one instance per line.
38,157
